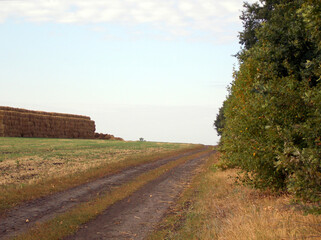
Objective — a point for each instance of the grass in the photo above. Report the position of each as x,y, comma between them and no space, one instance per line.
214,207
68,223
26,160
37,167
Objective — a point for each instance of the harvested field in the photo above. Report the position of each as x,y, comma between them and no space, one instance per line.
109,188
15,122
28,160
29,163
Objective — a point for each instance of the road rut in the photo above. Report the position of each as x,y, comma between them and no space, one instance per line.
40,210
137,215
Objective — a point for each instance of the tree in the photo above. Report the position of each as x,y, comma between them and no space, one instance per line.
220,121
252,18
272,125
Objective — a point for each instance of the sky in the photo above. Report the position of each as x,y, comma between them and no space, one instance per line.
139,68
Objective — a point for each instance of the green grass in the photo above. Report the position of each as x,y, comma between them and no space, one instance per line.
50,147
35,167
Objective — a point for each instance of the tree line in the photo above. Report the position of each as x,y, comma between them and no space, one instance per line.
270,123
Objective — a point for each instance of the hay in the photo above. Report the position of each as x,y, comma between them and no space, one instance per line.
43,113
15,122
1,124
107,137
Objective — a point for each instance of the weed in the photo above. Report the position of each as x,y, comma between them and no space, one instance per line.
213,207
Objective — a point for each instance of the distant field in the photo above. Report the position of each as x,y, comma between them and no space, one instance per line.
26,160
35,167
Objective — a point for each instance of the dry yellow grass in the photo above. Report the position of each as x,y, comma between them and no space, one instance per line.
219,209
26,161
32,168
29,169
250,214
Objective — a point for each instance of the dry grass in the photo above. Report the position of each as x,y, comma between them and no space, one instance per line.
215,208
31,168
68,223
28,163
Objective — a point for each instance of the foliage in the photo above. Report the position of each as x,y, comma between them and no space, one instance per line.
252,17
212,207
220,121
273,113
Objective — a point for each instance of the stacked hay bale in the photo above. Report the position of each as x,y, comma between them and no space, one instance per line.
107,137
1,124
15,122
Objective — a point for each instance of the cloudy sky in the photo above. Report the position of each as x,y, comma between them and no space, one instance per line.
139,68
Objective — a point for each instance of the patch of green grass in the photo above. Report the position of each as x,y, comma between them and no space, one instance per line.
71,162
14,147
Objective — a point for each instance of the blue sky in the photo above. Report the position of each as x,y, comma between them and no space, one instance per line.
139,68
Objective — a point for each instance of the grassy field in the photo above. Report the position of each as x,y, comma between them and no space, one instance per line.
69,222
34,167
214,207
26,160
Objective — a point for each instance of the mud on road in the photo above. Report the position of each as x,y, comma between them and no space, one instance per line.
40,210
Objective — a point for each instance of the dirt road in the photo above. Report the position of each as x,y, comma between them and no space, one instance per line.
136,216
130,218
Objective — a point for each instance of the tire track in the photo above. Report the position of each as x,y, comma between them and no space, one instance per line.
137,215
27,215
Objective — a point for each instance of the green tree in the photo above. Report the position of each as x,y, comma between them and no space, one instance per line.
272,127
220,121
252,18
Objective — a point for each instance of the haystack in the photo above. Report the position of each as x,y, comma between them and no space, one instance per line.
16,122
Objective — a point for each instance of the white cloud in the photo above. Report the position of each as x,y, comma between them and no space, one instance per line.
174,16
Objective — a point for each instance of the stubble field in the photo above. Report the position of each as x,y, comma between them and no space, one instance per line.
35,167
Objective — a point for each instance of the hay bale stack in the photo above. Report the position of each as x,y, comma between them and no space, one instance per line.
15,122
1,124
107,137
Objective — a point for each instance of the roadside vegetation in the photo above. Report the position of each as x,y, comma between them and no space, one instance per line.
214,207
270,124
35,167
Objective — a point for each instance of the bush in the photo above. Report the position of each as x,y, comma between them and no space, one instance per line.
272,127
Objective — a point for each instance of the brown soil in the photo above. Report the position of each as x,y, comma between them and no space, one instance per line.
137,215
46,208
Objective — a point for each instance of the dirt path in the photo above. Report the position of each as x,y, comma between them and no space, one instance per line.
137,215
45,208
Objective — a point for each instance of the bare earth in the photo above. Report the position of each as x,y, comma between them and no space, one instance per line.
131,218
136,216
